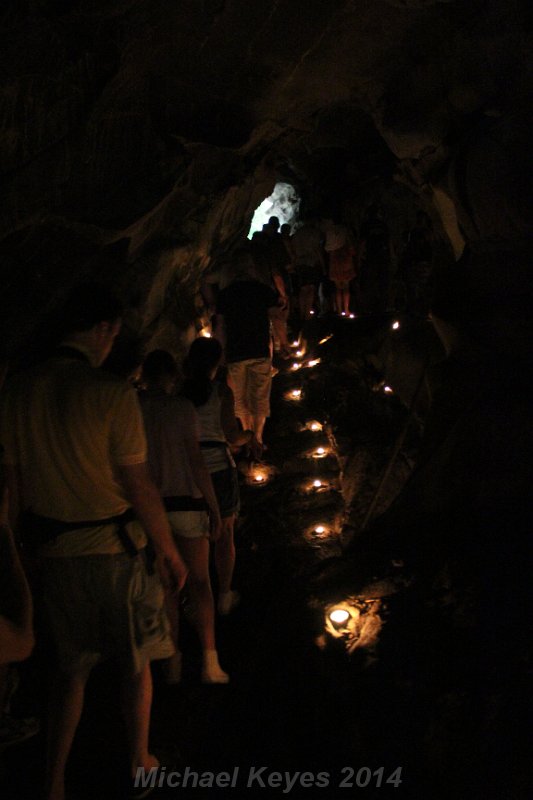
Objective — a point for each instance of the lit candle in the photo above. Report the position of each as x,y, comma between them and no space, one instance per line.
315,426
204,332
339,616
343,313
313,363
295,366
317,484
259,478
296,343
320,529
312,311
299,352
326,338
395,325
387,390
352,316
296,394
319,453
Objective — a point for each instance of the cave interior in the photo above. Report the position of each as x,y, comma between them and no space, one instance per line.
137,140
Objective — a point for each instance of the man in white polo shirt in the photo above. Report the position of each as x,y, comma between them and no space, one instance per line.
75,456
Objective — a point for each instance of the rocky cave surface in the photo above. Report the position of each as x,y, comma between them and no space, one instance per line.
137,137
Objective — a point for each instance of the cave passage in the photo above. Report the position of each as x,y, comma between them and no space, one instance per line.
283,203
296,702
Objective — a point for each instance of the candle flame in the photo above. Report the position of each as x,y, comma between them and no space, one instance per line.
320,529
326,338
395,325
317,484
315,426
388,390
313,363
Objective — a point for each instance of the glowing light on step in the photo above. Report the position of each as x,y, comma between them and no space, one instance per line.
320,452
395,325
326,338
294,395
339,617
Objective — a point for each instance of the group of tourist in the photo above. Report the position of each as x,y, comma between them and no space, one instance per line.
116,496
323,267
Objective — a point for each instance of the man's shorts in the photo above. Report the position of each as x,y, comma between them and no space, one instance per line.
104,606
251,381
189,524
226,486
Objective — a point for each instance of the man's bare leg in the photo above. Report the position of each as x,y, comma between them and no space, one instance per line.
136,706
258,426
66,704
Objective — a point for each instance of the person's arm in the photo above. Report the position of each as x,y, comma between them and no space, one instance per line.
219,329
146,502
279,283
16,626
202,479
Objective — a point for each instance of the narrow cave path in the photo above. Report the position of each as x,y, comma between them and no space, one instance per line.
290,707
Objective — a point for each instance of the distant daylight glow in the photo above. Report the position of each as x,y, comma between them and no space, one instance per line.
283,203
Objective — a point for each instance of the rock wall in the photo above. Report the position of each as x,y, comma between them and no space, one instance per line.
137,136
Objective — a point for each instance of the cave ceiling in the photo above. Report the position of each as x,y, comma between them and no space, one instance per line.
128,125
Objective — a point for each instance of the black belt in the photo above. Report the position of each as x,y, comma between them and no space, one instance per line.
39,530
184,503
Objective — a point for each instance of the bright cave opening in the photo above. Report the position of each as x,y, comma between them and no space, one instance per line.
284,203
